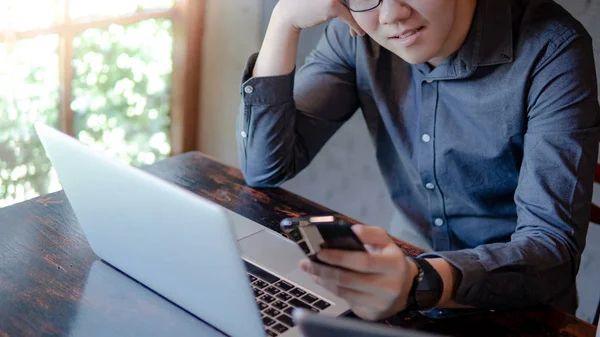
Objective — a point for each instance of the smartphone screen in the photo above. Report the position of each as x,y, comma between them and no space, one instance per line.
339,236
322,232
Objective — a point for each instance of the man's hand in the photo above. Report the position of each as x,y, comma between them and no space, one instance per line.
309,13
278,53
375,284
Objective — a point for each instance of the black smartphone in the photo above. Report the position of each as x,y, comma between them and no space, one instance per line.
318,232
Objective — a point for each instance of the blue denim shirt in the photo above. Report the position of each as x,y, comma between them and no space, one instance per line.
491,154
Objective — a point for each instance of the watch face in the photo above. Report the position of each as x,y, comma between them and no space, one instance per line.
427,299
429,286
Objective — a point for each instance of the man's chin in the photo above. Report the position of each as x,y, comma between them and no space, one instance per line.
412,57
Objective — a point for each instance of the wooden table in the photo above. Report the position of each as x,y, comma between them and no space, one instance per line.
52,284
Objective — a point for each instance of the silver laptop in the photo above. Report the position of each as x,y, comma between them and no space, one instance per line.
184,247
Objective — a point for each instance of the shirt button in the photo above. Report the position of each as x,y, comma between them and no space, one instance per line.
429,81
429,186
438,222
249,89
426,138
243,134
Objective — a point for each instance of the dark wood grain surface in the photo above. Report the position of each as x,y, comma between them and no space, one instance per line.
52,284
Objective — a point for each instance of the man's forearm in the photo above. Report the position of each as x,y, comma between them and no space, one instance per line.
278,53
450,279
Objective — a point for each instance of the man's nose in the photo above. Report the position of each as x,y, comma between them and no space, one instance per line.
392,11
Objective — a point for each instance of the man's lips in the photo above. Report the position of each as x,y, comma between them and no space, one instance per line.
407,33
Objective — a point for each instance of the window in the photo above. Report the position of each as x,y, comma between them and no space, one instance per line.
120,75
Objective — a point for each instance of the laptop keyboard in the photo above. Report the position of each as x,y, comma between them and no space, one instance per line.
277,298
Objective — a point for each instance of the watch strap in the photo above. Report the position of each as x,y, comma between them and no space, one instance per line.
427,287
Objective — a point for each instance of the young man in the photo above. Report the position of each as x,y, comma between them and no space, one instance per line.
485,119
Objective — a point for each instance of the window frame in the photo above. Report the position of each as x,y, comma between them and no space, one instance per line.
188,24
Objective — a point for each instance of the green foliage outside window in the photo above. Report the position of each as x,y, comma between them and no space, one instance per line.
29,93
121,100
121,90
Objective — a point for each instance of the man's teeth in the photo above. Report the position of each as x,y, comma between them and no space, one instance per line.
409,34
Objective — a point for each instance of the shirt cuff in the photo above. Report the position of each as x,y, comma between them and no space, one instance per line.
269,90
473,272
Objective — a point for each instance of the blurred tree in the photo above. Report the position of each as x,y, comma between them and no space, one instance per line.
121,100
121,90
29,92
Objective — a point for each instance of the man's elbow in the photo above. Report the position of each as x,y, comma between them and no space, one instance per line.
258,183
259,174
265,180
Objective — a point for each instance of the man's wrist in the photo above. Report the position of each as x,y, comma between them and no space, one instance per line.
412,267
451,278
413,272
427,286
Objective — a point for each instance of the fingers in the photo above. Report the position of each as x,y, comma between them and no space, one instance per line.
363,304
374,236
345,15
383,261
360,296
355,298
331,277
359,261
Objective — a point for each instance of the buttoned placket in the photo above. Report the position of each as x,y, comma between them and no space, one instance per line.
248,90
427,162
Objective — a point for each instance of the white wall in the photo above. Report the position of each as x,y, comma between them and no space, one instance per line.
232,33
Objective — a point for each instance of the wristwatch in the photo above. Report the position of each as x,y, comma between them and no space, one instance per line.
427,287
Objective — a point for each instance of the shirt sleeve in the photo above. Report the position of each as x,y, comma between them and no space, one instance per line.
540,263
283,121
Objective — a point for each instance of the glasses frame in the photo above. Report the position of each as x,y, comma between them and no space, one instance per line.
362,10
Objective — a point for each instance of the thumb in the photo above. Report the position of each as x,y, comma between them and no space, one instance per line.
373,236
345,15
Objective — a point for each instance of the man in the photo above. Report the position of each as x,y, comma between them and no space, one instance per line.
484,115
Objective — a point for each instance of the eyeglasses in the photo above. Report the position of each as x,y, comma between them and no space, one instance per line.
362,5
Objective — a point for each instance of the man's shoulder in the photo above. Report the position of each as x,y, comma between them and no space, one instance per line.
364,47
337,39
340,31
544,22
339,27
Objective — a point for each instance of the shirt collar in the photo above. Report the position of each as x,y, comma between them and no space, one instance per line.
489,42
